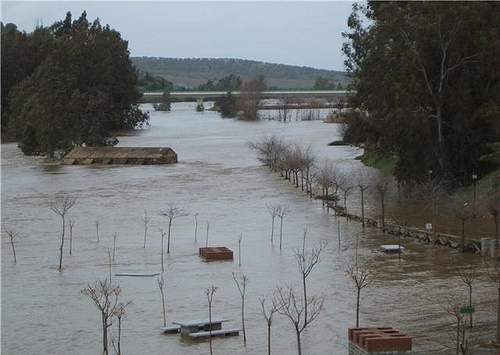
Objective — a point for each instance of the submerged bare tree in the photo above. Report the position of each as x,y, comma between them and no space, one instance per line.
454,309
494,276
273,211
161,284
362,186
292,307
209,292
268,316
345,185
468,276
462,211
381,189
71,224
147,221
196,227
97,230
362,276
283,210
115,235
120,313
306,261
12,236
105,297
241,284
162,249
172,212
60,205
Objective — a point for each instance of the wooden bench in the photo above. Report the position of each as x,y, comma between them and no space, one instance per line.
174,329
216,333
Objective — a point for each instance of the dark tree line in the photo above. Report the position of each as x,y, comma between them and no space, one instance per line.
428,84
70,83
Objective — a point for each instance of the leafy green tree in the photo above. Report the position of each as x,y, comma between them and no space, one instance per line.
423,73
226,105
82,90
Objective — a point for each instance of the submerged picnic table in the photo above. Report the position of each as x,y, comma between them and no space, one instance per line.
201,328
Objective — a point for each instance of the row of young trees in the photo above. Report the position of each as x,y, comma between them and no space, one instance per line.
66,84
427,87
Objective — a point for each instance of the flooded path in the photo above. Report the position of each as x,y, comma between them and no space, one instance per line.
218,177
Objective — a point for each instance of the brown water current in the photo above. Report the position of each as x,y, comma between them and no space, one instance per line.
219,177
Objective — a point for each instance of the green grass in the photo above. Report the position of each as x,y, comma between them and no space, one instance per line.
383,162
484,186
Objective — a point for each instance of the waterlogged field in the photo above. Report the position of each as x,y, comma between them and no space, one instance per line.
218,177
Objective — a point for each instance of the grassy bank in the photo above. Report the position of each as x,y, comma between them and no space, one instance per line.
383,162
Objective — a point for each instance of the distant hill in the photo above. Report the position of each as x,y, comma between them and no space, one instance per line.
191,72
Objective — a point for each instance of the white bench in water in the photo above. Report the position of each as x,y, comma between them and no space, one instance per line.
138,274
216,333
392,248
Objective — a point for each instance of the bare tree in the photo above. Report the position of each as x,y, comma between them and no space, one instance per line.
196,227
12,235
273,211
110,263
492,204
494,276
120,313
283,210
115,235
381,188
161,284
71,224
306,261
209,292
162,249
242,289
105,297
345,186
362,186
461,210
292,307
268,316
171,213
468,276
147,221
362,276
208,227
97,230
454,309
249,100
240,238
60,206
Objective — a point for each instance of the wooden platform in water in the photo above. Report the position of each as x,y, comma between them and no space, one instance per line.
137,274
120,155
215,253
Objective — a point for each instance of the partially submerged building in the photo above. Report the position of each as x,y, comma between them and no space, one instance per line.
120,155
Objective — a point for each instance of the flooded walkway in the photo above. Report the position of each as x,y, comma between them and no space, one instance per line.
218,177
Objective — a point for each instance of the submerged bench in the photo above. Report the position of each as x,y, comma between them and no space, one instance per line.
216,333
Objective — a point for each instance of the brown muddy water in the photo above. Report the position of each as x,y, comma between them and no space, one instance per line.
219,178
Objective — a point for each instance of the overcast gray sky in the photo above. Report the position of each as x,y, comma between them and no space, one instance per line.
301,33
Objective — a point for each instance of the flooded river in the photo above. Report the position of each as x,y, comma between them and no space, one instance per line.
218,177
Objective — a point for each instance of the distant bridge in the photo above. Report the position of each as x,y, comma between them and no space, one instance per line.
278,94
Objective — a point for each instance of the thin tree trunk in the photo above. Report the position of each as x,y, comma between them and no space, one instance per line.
195,228
145,233
338,229
13,249
104,334
243,320
208,227
357,307
305,298
458,336
210,326
70,237
164,310
470,305
463,235
299,345
272,230
268,338
363,208
62,244
383,214
168,240
498,315
119,335
162,243
281,231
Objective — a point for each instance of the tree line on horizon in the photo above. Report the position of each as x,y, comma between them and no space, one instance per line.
427,86
67,84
